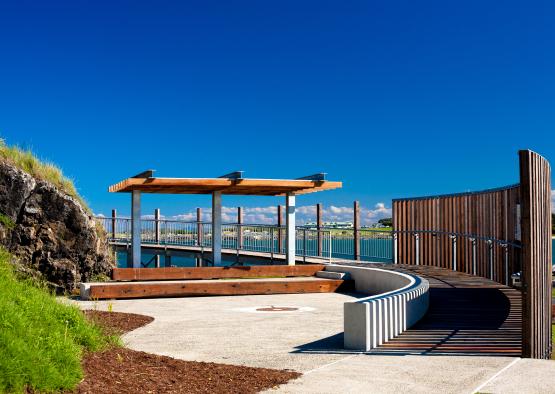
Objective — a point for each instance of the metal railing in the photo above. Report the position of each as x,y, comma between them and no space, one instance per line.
245,237
371,244
488,257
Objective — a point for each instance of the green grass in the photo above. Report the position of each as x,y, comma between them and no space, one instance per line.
6,221
41,340
27,161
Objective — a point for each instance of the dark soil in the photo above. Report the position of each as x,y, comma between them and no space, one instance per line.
122,370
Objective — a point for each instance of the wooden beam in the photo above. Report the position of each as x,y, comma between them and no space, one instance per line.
214,288
175,273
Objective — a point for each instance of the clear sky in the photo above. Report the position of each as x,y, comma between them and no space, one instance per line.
394,98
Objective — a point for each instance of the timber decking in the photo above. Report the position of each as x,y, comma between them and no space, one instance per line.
185,288
173,273
468,315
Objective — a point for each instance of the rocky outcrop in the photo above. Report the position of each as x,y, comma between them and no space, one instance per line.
50,234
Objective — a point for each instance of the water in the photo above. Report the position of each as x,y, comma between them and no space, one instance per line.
378,250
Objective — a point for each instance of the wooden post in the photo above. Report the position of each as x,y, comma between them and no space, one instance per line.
319,227
356,228
157,235
239,228
216,227
279,224
136,229
199,226
114,215
536,254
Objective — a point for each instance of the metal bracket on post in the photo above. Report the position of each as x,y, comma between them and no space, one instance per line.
454,248
417,245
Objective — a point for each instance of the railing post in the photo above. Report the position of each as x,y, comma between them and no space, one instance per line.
417,247
279,224
454,249
490,258
199,226
239,228
272,244
319,227
473,255
395,261
331,243
157,235
506,256
356,227
304,245
114,215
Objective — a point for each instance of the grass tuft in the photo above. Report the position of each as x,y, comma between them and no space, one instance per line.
27,161
41,340
6,221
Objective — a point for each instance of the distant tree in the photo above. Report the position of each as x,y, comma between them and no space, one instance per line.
386,222
553,223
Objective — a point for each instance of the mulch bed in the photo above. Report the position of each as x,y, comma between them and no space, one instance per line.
122,370
117,323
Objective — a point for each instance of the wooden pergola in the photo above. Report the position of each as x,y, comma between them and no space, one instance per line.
232,184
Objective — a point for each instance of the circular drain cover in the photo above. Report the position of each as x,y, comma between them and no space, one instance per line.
277,309
272,309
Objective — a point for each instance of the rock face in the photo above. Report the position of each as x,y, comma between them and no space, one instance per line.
52,236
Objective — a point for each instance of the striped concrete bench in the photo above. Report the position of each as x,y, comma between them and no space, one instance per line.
397,302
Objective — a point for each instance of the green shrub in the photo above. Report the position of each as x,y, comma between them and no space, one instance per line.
41,340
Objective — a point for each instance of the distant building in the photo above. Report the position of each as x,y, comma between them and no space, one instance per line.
346,225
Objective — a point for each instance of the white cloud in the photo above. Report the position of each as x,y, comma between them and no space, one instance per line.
553,201
304,214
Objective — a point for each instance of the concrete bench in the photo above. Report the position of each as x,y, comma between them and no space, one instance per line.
396,303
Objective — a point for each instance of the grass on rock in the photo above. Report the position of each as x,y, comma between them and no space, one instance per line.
41,340
26,160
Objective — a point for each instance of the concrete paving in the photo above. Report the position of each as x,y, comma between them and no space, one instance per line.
230,330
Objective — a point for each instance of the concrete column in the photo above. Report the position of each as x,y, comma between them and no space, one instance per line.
136,229
217,228
290,228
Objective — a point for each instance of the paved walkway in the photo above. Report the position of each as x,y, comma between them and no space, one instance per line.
231,330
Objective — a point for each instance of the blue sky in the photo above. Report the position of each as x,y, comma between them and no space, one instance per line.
395,99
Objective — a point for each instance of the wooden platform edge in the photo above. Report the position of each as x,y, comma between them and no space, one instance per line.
177,273
149,290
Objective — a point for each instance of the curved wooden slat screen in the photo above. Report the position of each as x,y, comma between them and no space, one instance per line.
492,233
466,219
535,180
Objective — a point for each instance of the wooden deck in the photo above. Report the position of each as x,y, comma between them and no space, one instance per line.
468,315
